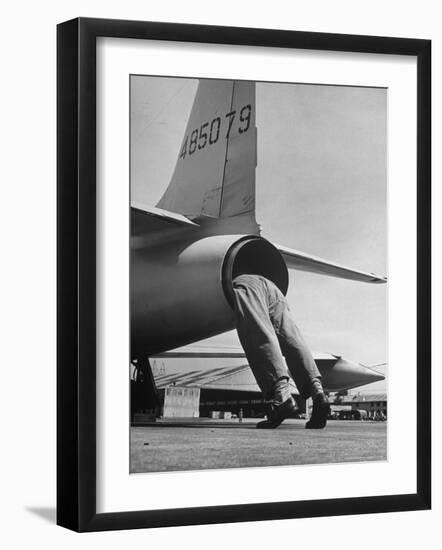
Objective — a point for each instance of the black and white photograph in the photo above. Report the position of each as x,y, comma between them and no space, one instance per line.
219,251
258,274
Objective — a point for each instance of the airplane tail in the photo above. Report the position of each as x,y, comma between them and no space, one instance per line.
213,184
214,175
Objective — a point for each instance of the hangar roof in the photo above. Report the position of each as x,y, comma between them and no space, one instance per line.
237,378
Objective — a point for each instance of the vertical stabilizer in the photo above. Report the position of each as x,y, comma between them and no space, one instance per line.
215,171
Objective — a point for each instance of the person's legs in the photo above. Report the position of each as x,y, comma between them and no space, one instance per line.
301,363
260,344
258,338
299,358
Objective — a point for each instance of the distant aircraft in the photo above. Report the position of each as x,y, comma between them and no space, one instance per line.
203,232
338,374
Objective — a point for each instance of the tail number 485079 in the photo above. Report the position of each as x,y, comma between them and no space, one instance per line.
209,132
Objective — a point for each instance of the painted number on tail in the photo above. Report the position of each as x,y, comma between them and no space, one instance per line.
209,132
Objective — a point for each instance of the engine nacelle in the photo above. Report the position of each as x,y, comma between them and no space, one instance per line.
182,292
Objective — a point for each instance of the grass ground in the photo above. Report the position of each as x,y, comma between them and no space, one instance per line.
206,445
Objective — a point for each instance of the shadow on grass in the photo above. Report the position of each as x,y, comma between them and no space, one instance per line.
196,426
207,425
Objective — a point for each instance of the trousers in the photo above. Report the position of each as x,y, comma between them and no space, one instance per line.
269,335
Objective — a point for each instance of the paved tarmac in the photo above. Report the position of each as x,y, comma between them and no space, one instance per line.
206,444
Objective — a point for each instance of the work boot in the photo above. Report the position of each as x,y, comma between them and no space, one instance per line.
278,415
321,409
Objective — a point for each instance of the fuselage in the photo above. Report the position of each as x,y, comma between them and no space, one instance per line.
181,279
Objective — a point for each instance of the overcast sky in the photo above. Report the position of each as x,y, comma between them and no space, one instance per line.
320,188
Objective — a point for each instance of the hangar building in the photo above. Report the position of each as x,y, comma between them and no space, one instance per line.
231,391
220,390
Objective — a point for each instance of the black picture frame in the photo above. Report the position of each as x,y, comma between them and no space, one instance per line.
76,273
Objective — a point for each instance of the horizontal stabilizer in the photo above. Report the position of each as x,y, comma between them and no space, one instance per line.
148,220
172,217
305,262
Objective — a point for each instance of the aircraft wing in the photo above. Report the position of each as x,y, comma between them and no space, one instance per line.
305,262
338,373
226,353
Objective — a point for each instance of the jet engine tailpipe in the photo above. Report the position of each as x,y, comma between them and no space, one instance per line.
182,292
